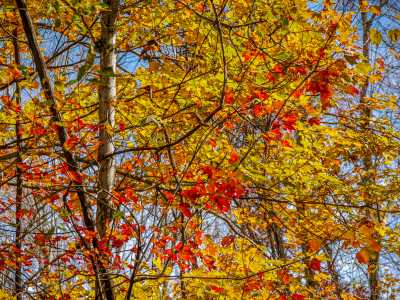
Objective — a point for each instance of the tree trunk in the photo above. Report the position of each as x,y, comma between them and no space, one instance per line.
309,272
48,89
107,98
19,194
373,264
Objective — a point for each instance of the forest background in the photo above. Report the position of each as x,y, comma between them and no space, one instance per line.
215,149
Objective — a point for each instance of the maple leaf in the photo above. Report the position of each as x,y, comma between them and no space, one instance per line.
315,264
297,296
216,289
314,120
362,257
227,240
285,143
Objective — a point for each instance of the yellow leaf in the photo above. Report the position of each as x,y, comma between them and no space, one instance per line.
109,129
376,37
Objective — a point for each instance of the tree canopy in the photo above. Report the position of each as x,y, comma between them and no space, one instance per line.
217,149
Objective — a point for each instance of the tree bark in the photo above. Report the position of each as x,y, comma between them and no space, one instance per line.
19,194
373,264
107,98
73,166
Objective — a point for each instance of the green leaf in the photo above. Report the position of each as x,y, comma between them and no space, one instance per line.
317,34
154,142
117,214
282,56
107,74
72,82
49,102
88,63
57,24
143,121
81,27
57,6
75,18
8,8
363,68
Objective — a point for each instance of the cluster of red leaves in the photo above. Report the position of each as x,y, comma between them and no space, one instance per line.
314,264
182,254
219,189
294,296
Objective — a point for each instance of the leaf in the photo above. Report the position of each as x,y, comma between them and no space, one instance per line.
117,214
74,176
350,59
394,53
216,289
57,24
362,257
282,56
143,122
88,63
392,36
107,74
363,68
376,37
109,129
154,142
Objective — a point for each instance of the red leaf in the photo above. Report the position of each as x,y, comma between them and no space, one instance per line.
315,264
380,61
75,177
314,120
227,240
216,289
121,126
285,143
213,142
297,94
297,296
233,158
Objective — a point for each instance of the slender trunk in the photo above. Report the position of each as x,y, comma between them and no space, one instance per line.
333,272
309,272
73,166
18,200
107,98
373,263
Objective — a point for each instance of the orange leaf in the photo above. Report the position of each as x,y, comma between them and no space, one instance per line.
362,257
380,61
75,177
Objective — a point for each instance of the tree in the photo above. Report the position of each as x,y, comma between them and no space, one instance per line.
191,149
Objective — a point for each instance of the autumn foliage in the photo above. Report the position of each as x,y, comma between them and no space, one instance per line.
194,149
